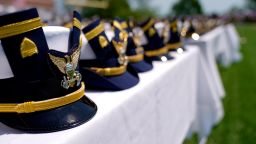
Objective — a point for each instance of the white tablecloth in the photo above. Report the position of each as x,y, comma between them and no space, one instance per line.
209,110
234,41
213,45
225,44
175,98
210,45
159,109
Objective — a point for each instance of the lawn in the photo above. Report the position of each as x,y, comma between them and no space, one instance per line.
239,123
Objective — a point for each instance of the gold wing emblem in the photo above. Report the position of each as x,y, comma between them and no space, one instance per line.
59,62
75,57
119,46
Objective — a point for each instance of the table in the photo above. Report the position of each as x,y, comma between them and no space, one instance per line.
173,99
157,110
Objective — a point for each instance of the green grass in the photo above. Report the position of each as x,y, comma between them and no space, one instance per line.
239,123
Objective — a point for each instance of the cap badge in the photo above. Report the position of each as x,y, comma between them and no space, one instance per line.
103,41
28,48
123,35
121,50
151,32
67,66
166,35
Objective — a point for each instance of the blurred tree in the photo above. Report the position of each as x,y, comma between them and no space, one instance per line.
251,4
186,7
120,8
143,11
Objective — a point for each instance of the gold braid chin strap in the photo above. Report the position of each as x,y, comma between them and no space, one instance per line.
34,106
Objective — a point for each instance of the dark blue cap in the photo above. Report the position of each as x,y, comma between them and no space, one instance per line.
108,71
155,48
134,51
174,41
40,75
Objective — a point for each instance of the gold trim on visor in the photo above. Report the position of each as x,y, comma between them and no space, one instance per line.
77,23
136,58
174,45
20,27
113,71
148,25
94,32
157,52
33,106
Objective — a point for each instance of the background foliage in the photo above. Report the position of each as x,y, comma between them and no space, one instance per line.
122,9
187,7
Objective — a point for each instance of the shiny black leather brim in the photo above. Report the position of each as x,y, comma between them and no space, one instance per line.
65,117
141,66
95,81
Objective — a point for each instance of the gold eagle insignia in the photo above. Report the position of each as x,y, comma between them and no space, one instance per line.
121,50
67,66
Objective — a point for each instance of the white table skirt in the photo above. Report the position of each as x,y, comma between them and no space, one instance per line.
159,109
234,41
209,110
209,105
226,44
209,44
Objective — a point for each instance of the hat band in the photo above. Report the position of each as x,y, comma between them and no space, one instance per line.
33,106
158,52
110,71
77,23
148,25
173,46
20,27
136,58
94,32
